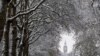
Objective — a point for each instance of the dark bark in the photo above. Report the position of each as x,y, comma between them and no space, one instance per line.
6,31
6,39
8,14
14,41
2,22
25,42
25,38
14,32
2,18
20,51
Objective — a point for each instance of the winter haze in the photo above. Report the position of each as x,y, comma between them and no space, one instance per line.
49,27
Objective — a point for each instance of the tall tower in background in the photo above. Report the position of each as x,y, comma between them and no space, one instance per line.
65,47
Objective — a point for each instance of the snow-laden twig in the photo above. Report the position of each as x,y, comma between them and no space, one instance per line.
36,38
26,12
51,9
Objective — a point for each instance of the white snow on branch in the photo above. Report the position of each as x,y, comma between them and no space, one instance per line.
26,12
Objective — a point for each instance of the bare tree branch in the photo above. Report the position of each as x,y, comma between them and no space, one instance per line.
35,39
26,12
51,9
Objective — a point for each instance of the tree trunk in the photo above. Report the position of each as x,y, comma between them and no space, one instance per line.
20,51
2,22
14,31
14,38
2,18
25,42
6,39
25,37
8,14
